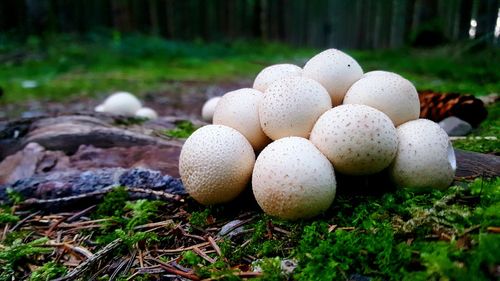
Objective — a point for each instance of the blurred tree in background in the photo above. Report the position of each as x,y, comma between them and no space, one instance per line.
355,24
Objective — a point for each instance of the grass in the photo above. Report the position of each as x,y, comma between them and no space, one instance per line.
63,66
86,66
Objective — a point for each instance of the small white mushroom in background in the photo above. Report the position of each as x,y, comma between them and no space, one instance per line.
207,112
147,113
240,110
216,164
292,179
425,157
122,103
291,106
274,72
357,139
100,108
388,92
335,70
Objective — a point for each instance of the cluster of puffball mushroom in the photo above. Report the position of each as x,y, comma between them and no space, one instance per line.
307,124
126,104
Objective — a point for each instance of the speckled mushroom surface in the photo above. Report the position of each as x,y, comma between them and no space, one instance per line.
387,92
208,109
335,70
425,157
292,179
275,72
357,139
216,164
240,110
291,106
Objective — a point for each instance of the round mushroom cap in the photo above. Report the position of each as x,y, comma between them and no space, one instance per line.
147,113
378,72
122,103
292,179
387,92
240,110
425,157
274,72
216,164
335,70
207,112
100,108
357,139
291,106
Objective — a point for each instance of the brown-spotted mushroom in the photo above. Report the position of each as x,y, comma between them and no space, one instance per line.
357,139
292,179
216,164
291,106
335,70
275,72
388,92
240,110
425,157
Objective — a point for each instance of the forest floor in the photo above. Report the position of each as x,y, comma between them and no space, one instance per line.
378,234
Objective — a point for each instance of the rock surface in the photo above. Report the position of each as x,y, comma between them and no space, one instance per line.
455,126
35,159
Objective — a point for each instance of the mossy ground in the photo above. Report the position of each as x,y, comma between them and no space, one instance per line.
396,235
399,235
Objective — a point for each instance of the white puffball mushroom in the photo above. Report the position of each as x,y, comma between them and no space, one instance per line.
207,112
357,139
275,72
292,179
425,157
216,164
291,106
147,113
240,110
335,70
378,72
122,103
100,108
388,92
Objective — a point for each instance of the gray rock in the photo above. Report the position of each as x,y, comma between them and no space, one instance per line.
231,229
490,99
455,126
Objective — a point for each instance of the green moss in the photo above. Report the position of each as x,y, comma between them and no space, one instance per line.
390,237
199,219
182,131
271,268
113,204
19,253
478,145
48,271
7,217
143,211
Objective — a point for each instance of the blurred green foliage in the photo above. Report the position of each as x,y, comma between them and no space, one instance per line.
64,65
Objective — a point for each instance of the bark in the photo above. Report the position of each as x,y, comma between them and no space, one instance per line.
67,133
